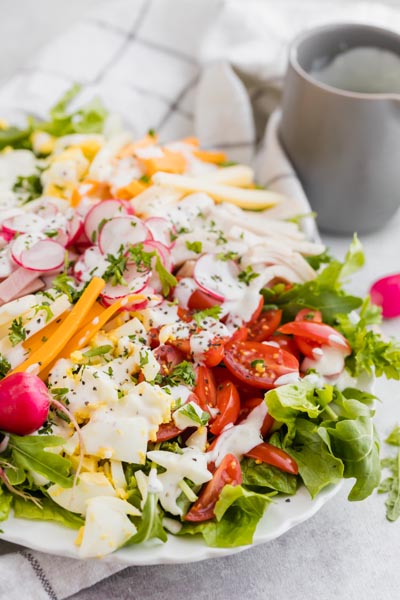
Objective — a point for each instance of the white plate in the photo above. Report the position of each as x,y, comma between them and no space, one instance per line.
279,517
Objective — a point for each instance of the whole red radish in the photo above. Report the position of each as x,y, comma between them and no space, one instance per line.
24,403
386,293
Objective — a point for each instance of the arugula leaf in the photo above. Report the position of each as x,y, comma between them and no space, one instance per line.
318,260
49,511
5,504
213,312
149,525
317,466
355,442
266,476
29,452
237,513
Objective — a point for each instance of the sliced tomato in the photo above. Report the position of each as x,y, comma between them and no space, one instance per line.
285,342
200,300
184,314
205,388
247,406
274,456
228,404
228,473
168,431
168,358
265,325
240,335
309,314
317,332
181,344
215,354
154,340
259,365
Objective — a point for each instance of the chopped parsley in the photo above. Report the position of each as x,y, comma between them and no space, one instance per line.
257,362
64,284
247,275
145,179
17,332
182,373
225,256
189,411
196,247
114,273
213,312
4,366
45,307
143,359
168,280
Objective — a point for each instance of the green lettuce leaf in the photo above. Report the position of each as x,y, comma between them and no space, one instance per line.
29,453
5,504
394,437
237,514
262,475
355,442
49,511
391,486
149,525
318,468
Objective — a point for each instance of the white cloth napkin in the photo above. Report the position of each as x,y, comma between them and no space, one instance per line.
181,67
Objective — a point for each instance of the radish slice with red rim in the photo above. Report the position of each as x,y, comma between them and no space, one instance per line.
74,229
218,278
22,243
136,282
92,262
99,214
161,230
45,255
122,231
162,251
25,223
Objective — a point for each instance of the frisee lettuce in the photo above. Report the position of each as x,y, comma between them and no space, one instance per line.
391,484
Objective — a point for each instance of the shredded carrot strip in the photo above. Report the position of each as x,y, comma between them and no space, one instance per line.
130,149
44,355
210,157
37,340
82,337
134,188
171,162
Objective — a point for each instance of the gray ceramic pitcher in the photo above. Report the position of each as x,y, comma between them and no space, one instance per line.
344,145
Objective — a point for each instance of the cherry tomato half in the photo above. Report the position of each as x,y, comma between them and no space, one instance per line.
309,314
265,325
285,342
274,456
306,346
228,473
317,332
259,365
168,357
256,314
200,300
247,406
228,404
205,388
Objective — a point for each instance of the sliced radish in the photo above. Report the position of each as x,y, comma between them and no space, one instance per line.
74,229
162,230
136,282
44,207
162,251
7,265
92,262
45,255
25,223
218,278
122,231
99,214
22,243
